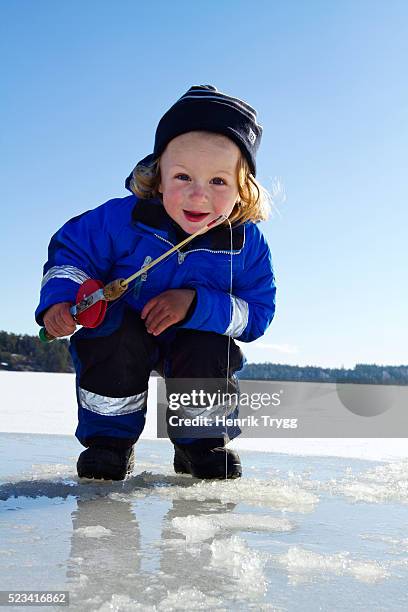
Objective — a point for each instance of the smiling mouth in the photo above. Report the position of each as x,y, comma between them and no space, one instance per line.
194,216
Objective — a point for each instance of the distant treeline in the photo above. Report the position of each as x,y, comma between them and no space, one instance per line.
28,354
362,373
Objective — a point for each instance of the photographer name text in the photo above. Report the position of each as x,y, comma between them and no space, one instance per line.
248,421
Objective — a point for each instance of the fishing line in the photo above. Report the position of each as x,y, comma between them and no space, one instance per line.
131,285
228,346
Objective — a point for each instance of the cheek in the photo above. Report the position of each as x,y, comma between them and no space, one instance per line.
225,202
172,196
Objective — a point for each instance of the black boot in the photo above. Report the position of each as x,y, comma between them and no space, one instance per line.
202,459
106,459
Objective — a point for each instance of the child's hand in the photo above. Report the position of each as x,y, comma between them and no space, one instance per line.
58,320
166,309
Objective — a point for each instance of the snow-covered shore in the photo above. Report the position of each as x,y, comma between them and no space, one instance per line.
45,403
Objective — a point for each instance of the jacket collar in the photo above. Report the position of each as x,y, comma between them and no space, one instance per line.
153,214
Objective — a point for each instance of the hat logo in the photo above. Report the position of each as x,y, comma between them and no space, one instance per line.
251,136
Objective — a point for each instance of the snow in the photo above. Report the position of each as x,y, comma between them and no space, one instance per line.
42,402
313,524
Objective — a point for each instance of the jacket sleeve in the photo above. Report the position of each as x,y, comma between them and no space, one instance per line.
247,313
83,248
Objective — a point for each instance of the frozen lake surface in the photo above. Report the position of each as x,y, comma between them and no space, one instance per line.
295,533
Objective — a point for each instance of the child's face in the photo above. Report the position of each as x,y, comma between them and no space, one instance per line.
199,178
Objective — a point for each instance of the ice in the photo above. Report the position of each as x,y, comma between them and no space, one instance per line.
234,558
94,531
290,535
189,599
300,563
181,599
201,528
251,522
195,528
383,483
274,493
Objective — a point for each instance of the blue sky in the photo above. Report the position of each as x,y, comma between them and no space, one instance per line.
85,84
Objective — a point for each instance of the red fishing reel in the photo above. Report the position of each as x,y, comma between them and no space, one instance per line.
93,314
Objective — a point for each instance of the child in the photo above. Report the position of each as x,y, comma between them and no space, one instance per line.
181,316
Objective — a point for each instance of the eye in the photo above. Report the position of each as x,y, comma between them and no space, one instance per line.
218,181
182,177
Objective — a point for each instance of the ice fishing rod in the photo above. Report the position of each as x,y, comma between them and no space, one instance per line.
93,296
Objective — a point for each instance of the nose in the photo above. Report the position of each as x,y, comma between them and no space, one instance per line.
198,193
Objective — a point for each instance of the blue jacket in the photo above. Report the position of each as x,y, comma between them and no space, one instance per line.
119,237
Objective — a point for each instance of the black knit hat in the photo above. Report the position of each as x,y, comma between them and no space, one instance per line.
204,108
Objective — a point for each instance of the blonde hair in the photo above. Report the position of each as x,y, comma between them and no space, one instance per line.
254,203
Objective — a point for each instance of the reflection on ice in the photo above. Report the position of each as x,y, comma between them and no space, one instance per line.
69,485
